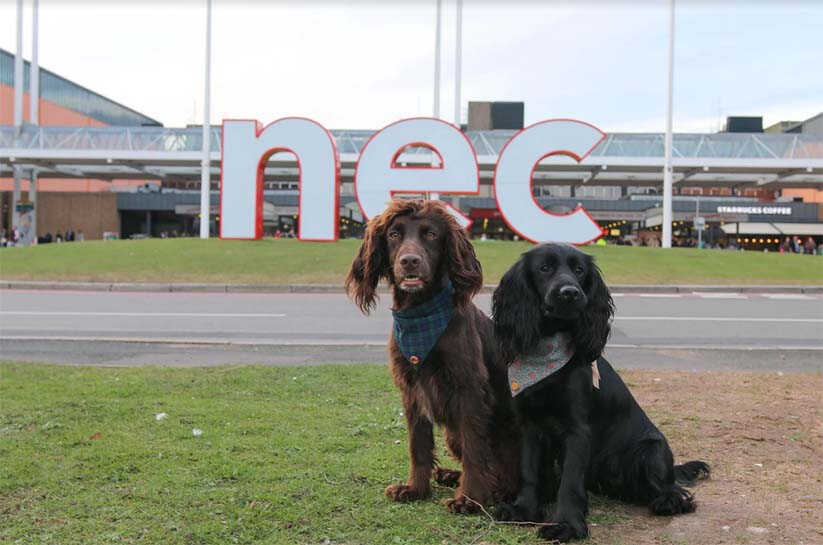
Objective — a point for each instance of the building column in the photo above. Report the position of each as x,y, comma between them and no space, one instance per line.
33,201
148,223
15,199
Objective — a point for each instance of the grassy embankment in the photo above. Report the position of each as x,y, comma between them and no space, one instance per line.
272,261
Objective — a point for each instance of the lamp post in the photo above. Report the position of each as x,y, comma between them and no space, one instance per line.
667,165
437,31
205,162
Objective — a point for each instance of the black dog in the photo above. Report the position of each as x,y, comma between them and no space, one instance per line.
590,426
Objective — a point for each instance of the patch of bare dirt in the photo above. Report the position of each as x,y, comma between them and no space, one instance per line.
762,434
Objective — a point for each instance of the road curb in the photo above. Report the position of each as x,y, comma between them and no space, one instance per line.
185,287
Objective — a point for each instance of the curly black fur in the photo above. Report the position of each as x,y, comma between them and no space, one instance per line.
600,439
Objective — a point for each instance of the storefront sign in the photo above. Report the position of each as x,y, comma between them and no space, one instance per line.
765,210
378,174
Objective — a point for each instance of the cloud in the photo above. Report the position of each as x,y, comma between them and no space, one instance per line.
366,64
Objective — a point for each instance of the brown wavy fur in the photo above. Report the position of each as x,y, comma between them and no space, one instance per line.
372,260
462,385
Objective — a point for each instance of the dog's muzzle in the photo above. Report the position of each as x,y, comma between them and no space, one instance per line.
565,301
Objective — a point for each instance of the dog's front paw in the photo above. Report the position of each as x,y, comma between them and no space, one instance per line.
461,505
564,530
404,493
514,512
446,477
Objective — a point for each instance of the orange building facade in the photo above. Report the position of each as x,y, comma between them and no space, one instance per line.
63,103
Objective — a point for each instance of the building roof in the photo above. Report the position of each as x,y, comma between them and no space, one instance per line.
174,155
73,96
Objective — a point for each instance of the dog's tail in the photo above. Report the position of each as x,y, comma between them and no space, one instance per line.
689,473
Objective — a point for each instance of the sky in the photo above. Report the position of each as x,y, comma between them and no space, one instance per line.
365,64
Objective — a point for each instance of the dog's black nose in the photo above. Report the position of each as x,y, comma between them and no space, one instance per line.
410,261
570,294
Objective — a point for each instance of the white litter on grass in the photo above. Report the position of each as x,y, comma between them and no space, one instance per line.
160,416
197,432
759,465
725,528
756,530
397,442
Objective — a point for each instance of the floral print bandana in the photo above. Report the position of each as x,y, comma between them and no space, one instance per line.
551,355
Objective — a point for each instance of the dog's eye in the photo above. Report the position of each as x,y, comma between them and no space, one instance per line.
394,235
579,271
431,235
545,267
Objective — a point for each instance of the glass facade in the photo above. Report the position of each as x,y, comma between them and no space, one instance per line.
74,97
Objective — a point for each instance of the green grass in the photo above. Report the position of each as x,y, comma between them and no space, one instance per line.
287,455
282,261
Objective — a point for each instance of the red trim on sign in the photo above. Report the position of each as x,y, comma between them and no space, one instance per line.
258,220
484,213
222,157
531,178
393,162
336,211
434,149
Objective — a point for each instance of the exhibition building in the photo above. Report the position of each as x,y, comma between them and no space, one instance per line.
112,172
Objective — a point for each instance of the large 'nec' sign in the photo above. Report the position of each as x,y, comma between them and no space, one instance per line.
247,146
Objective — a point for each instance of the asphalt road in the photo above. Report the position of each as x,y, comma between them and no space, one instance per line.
684,331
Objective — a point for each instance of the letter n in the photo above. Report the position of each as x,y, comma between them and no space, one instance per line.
246,149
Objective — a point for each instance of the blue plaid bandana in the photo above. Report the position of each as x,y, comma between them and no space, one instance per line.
417,329
550,356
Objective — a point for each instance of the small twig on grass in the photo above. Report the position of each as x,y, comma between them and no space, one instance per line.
513,522
493,522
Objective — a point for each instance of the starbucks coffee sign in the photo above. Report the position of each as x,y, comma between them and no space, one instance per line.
763,210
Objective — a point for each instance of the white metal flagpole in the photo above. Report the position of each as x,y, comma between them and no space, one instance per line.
667,166
34,79
205,162
437,60
18,113
458,63
437,32
18,72
34,108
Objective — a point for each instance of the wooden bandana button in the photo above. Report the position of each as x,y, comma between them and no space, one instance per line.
414,360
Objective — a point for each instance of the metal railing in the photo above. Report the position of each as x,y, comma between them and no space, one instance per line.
486,143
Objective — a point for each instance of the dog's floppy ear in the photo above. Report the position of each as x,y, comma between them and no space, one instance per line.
594,323
465,270
370,264
516,312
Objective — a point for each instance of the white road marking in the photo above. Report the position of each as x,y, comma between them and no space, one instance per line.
717,319
190,340
142,314
714,347
787,296
719,295
662,295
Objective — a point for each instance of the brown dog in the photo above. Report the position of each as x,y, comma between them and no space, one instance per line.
443,355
